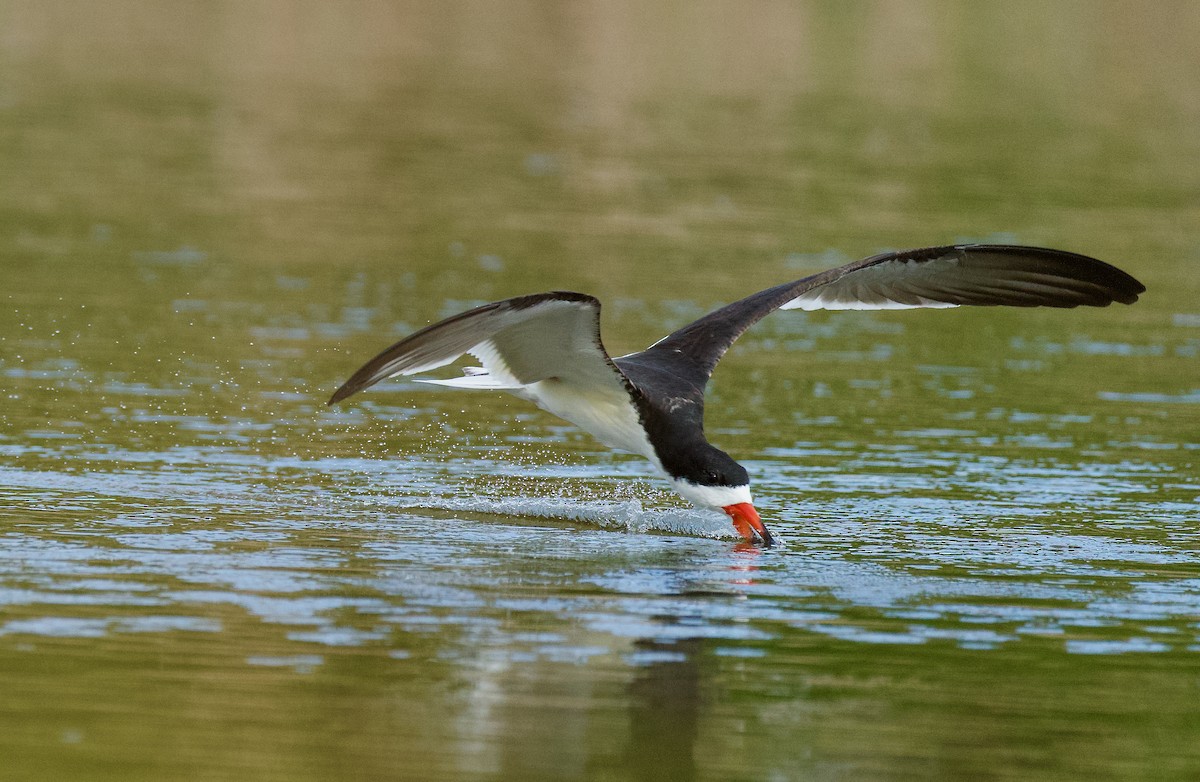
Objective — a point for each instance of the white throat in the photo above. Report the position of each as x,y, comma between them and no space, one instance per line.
711,496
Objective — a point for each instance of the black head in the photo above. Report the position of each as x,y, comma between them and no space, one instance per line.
713,467
708,477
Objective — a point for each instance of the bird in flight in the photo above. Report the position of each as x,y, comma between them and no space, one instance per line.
546,348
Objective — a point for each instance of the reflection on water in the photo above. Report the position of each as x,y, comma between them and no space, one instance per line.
987,519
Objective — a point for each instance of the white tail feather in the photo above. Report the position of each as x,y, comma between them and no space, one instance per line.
479,382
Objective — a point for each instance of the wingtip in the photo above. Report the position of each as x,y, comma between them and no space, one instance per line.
1136,290
1130,288
339,395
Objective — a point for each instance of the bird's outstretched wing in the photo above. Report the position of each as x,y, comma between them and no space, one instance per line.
951,276
519,341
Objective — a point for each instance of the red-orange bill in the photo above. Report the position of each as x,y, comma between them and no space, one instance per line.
747,523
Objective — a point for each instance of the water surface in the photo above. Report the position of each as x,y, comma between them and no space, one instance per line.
988,519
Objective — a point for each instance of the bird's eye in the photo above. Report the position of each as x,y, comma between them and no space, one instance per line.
711,476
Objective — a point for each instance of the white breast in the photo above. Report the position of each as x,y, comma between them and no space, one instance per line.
603,412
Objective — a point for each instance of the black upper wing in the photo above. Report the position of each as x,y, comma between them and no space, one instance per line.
980,274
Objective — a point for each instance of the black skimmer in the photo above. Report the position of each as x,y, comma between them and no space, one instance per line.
546,348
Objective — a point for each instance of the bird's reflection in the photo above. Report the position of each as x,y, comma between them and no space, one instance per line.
745,564
664,710
666,694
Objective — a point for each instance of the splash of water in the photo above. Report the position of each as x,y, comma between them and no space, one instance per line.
629,515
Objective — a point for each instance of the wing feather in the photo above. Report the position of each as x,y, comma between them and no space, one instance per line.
931,277
519,341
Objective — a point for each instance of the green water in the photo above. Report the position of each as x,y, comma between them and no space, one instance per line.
211,215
